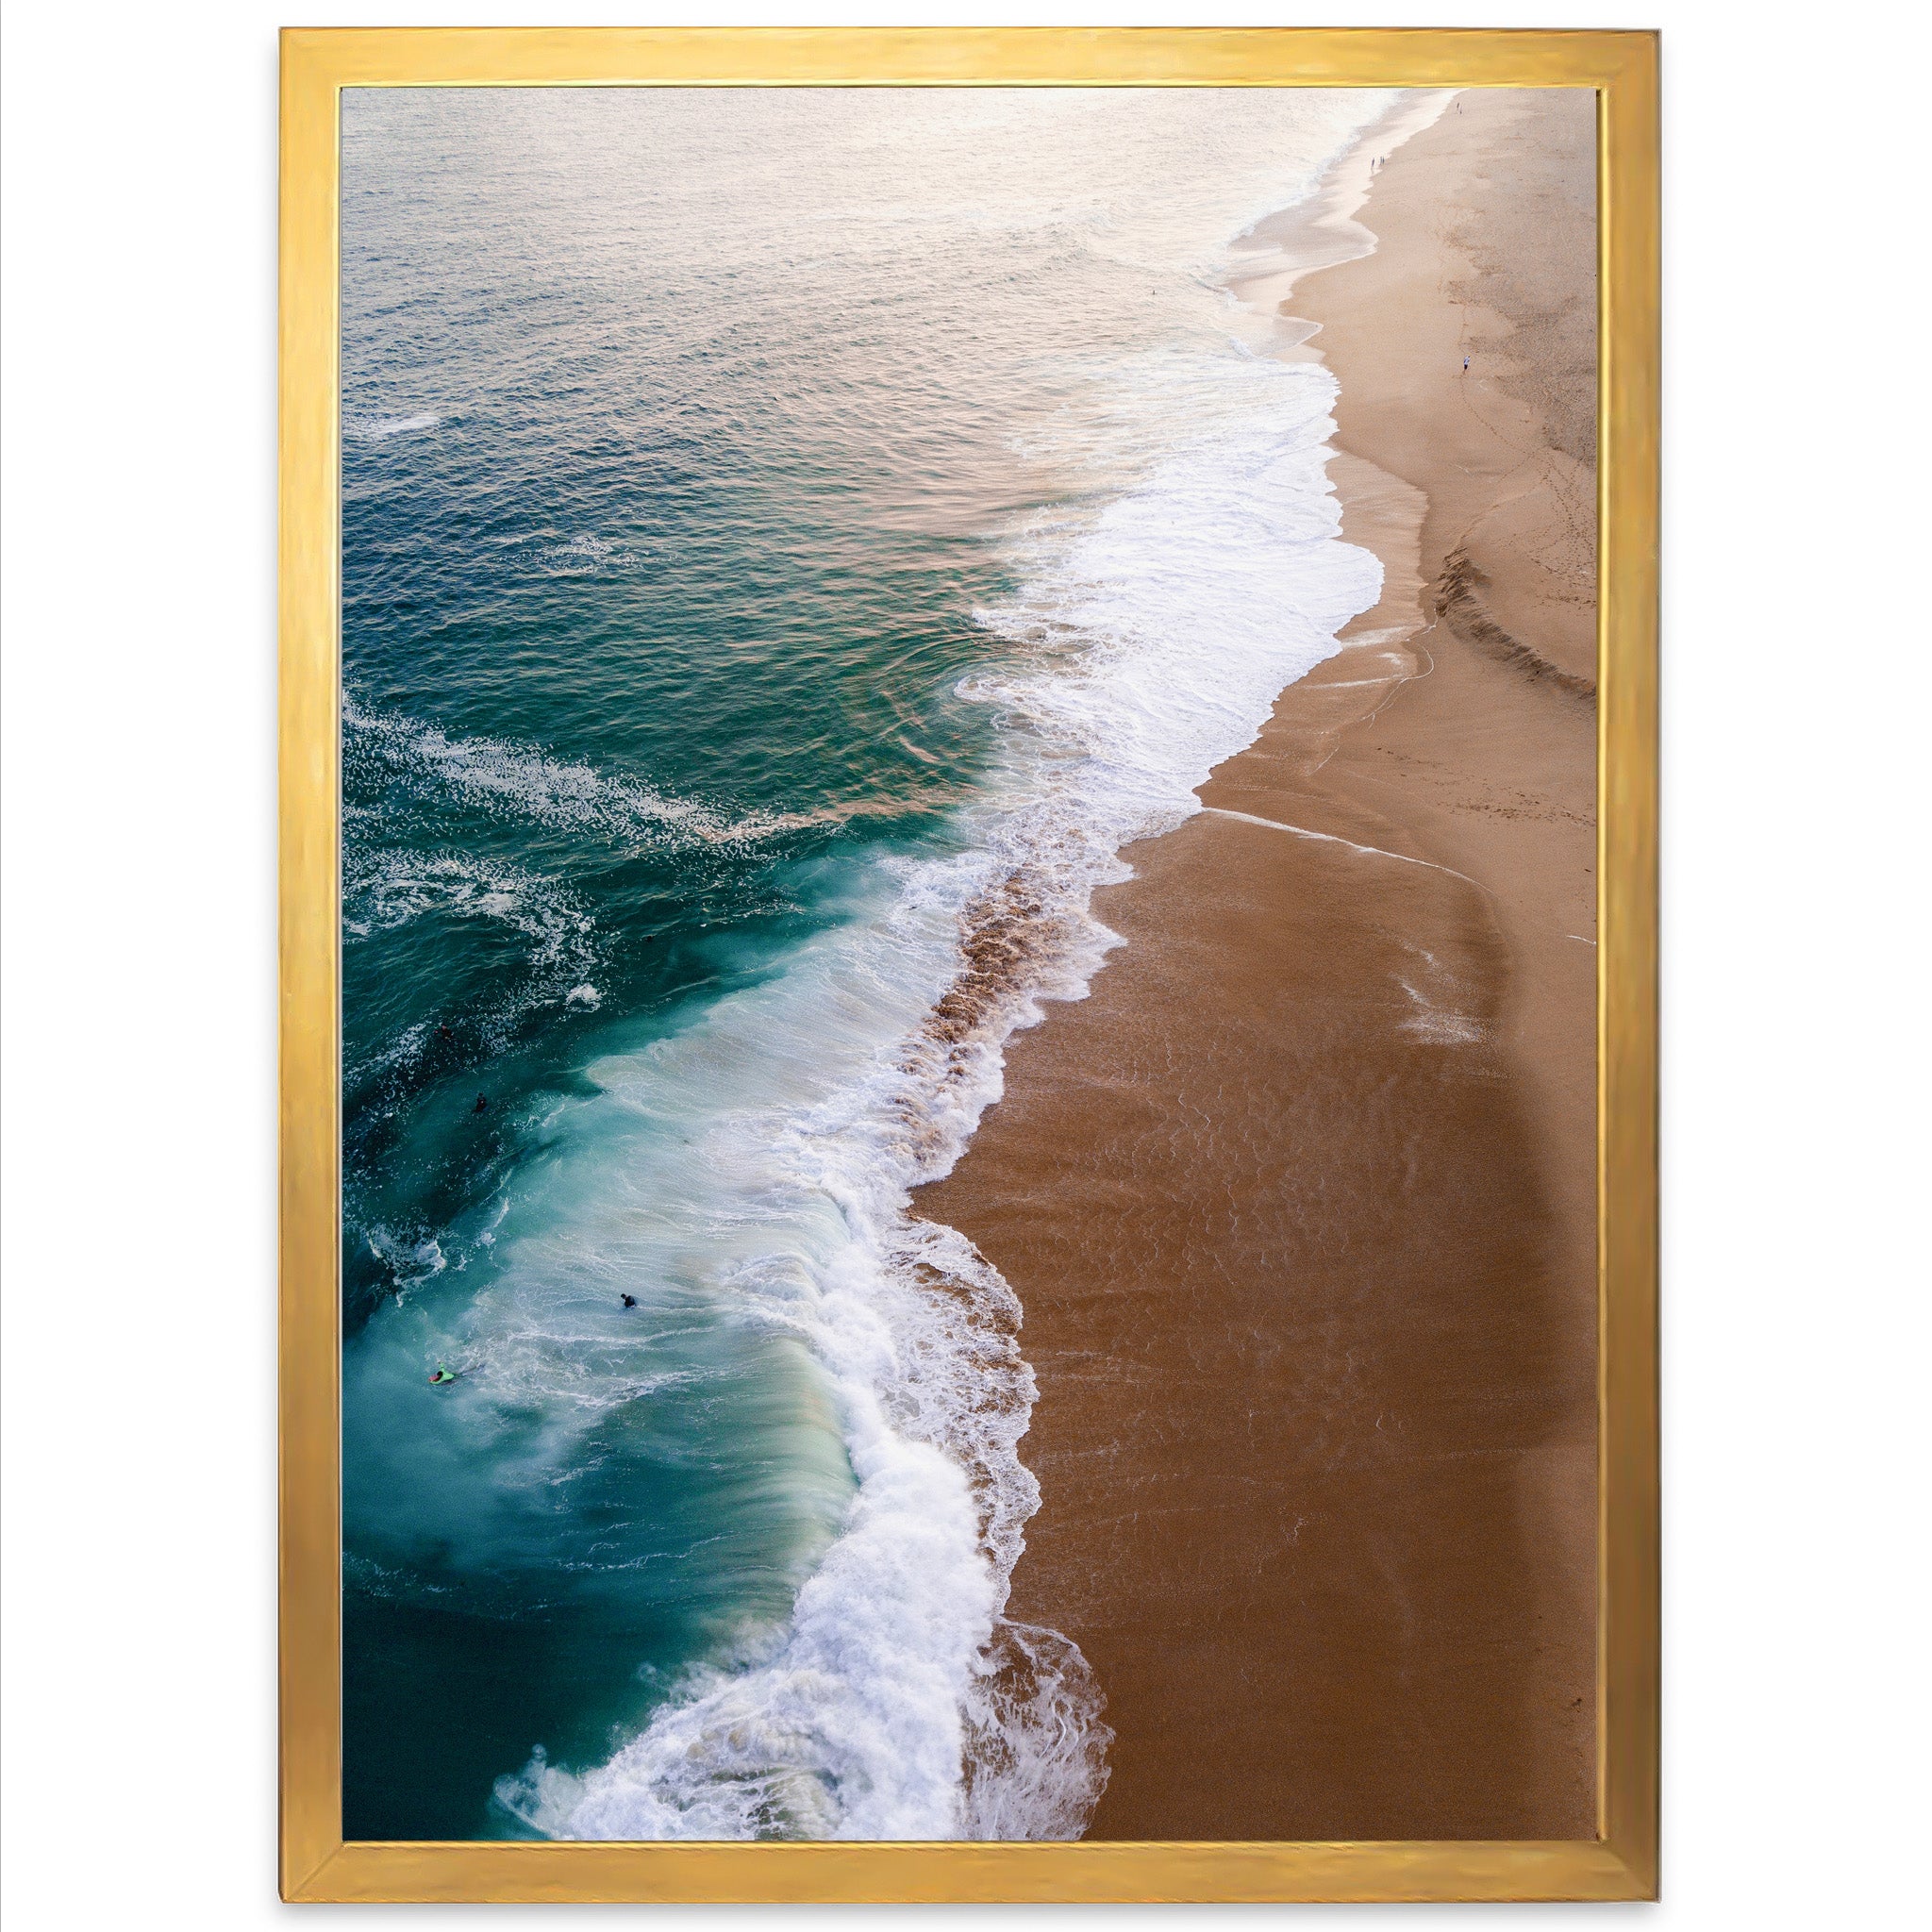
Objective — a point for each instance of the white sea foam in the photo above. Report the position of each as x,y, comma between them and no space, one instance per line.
514,781
360,430
386,887
409,1262
1439,1002
510,781
1191,600
584,554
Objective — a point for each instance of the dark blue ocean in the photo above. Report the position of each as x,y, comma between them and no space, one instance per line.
791,541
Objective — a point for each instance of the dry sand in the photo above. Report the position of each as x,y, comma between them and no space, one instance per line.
1300,1202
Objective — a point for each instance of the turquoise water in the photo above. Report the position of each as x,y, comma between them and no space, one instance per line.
791,541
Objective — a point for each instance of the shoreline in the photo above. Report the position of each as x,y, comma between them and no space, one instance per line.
1299,1202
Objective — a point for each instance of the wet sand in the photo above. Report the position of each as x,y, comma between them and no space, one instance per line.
1300,1201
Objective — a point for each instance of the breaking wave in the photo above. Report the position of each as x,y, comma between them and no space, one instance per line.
508,780
363,430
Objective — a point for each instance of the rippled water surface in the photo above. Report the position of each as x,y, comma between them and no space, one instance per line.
791,541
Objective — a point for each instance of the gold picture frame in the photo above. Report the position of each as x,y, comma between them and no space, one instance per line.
1621,1862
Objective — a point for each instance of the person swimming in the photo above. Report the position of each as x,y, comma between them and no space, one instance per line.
630,1300
482,1105
442,1375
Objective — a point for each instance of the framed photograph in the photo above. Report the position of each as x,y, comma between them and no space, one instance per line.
969,935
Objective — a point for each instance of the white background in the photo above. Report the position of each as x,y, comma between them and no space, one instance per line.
139,949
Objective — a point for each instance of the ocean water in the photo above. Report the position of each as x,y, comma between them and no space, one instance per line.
791,541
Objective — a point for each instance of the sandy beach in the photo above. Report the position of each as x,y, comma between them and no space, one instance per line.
1300,1201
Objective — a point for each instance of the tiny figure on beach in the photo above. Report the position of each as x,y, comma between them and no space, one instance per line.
630,1300
482,1105
442,1376
1465,365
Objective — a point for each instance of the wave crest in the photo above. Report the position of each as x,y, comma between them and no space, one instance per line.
505,779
